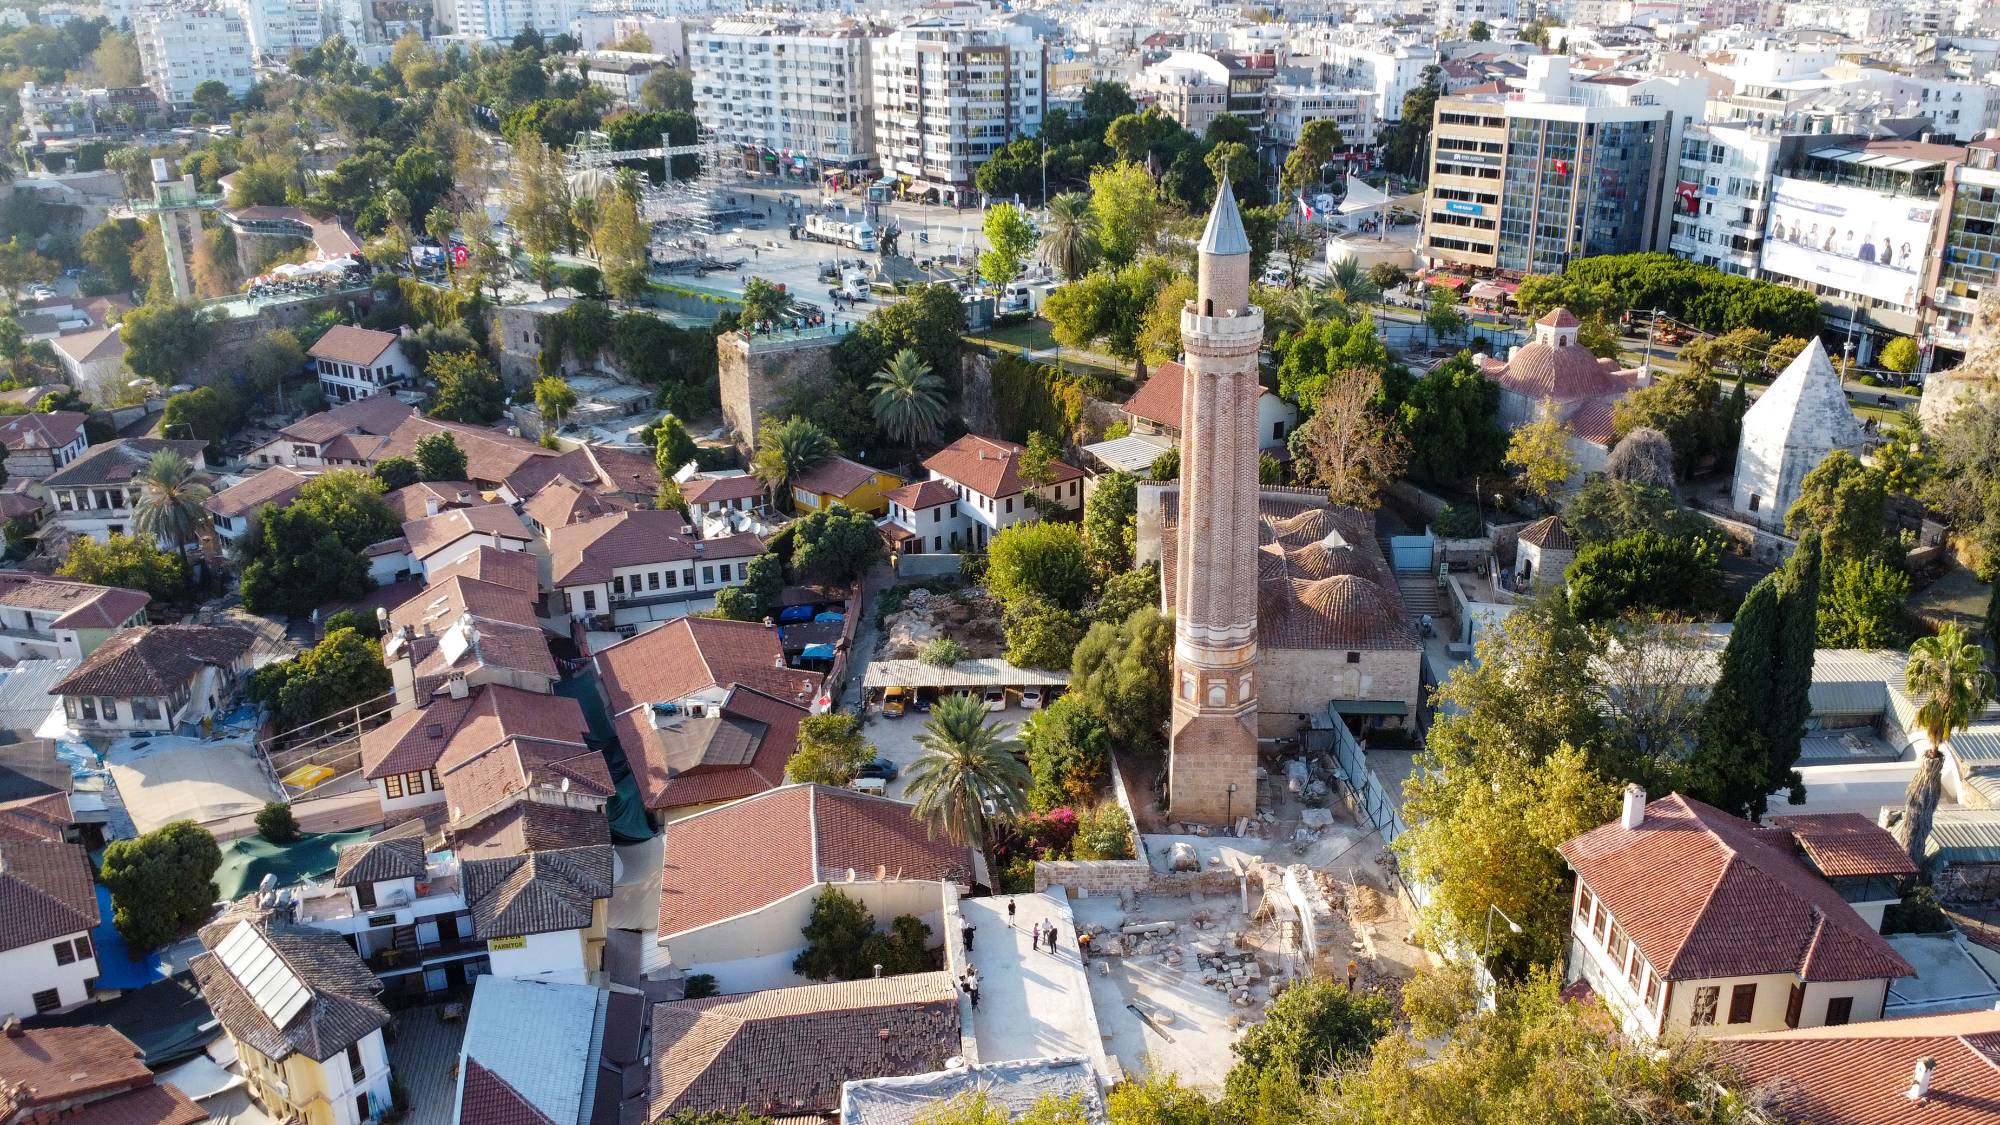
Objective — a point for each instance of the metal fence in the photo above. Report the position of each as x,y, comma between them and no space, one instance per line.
1368,789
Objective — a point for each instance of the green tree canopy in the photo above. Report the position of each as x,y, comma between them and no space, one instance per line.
134,563
1647,571
468,388
344,670
835,544
439,457
1313,1027
1069,754
161,883
1040,560
831,749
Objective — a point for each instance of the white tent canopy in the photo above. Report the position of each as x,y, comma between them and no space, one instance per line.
1361,197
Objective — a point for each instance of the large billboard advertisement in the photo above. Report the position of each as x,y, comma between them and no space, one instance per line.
1850,239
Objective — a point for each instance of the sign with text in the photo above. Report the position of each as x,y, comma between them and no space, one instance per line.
1849,239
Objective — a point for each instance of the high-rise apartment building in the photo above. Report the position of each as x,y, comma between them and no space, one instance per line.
792,96
1525,181
1971,256
180,48
504,19
279,27
948,94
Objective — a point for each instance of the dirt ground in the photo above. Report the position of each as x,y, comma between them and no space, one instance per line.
968,616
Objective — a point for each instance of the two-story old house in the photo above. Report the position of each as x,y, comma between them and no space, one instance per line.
48,904
95,493
232,510
635,568
354,363
403,908
43,617
301,1009
39,444
985,475
155,679
1688,920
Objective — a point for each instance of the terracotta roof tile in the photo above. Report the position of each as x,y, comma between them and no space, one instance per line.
41,431
489,715
1559,318
562,502
719,489
485,1098
147,1105
540,892
786,1051
1592,422
118,462
376,414
412,502
372,861
530,826
741,856
43,1066
720,757
155,660
493,565
1739,905
491,456
989,466
691,654
1857,1074
923,494
1842,845
1550,534
432,534
279,484
481,781
347,343
590,551
341,1010
836,476
77,605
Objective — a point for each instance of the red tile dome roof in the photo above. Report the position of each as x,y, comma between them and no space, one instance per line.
1565,374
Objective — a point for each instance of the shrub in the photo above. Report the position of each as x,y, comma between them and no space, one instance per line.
276,823
943,652
1456,521
1103,832
698,986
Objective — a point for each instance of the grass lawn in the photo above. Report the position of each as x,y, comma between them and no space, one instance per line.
1036,335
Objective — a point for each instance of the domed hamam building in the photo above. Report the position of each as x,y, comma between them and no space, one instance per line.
1555,373
1331,626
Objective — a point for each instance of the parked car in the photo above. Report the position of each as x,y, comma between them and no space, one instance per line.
873,786
924,698
996,699
894,700
881,768
1031,698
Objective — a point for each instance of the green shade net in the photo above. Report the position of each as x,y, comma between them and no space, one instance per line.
247,860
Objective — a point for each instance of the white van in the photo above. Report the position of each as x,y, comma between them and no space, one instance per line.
873,786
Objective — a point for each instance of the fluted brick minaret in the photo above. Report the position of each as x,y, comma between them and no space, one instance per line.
1214,745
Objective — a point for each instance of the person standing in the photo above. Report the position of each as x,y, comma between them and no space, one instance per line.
1052,937
1035,935
1010,912
968,932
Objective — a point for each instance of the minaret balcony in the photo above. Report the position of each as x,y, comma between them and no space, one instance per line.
1226,333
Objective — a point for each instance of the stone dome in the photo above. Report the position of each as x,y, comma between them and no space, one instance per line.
1301,527
1274,582
1328,557
1562,372
1347,598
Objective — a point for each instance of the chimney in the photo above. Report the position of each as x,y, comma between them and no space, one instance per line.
12,1026
382,621
458,688
464,498
878,976
1920,1080
1635,805
778,661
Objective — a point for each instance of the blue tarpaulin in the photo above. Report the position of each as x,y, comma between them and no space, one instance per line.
831,615
795,614
817,652
115,967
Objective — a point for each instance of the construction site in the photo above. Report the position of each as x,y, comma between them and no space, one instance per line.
1192,940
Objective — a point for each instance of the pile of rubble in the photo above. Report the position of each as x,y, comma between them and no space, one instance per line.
968,616
1220,959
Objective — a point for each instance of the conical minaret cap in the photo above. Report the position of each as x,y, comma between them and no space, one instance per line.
1225,225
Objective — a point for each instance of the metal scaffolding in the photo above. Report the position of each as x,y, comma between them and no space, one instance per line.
685,213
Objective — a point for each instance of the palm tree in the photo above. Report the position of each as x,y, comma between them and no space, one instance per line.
787,449
1069,241
170,502
1349,283
970,775
909,399
1947,676
1296,309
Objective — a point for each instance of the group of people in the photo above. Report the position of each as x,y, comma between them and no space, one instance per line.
1867,248
1043,937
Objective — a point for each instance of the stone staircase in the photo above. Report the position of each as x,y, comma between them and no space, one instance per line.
1419,587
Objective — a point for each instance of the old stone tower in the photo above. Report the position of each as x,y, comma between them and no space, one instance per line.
1212,771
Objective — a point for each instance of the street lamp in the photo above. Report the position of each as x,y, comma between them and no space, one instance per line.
1229,807
1512,926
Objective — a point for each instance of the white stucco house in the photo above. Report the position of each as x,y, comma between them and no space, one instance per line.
1687,920
156,678
985,475
39,444
640,567
46,958
43,617
95,494
354,362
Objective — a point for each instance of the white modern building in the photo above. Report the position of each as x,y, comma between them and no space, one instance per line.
1291,108
278,28
1719,200
792,96
1390,70
948,93
181,48
503,19
354,362
1188,86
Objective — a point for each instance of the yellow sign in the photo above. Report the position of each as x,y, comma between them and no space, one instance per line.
497,944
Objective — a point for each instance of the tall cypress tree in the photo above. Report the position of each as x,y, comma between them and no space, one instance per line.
1730,765
1755,717
1792,664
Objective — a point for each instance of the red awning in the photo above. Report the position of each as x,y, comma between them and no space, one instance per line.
1449,281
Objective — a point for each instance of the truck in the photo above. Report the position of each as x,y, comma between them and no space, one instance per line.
859,235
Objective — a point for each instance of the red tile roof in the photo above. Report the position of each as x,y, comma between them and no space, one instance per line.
77,605
44,1066
717,490
41,431
1158,399
1592,422
46,891
1843,845
489,715
432,534
147,1105
591,550
411,502
837,477
923,494
742,856
990,466
345,343
377,414
562,502
491,564
1559,318
491,456
1738,904
155,660
724,757
278,485
690,654
485,1098
785,1052
1857,1074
